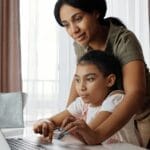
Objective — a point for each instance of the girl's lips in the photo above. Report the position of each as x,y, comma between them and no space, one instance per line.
84,96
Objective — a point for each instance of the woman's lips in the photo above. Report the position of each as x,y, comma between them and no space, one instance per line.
80,37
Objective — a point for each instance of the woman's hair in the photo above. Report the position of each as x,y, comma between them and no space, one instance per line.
85,5
106,63
88,6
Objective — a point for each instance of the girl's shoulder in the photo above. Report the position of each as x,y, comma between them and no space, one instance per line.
112,100
116,92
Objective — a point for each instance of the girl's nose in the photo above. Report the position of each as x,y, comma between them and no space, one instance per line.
82,87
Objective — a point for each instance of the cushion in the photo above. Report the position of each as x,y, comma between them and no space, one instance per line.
11,110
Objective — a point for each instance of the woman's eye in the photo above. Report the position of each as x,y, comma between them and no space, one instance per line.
78,18
66,25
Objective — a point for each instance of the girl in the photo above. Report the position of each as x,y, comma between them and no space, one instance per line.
96,78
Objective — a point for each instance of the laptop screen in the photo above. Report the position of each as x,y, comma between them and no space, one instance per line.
3,143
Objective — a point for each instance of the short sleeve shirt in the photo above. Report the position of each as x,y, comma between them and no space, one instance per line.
125,46
120,42
126,134
78,107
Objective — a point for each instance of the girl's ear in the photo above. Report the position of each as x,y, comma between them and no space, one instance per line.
111,80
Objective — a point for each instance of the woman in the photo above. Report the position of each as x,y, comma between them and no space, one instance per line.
85,23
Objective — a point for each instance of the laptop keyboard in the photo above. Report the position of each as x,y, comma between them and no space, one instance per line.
22,144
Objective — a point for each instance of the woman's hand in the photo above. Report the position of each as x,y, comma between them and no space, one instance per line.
44,127
82,131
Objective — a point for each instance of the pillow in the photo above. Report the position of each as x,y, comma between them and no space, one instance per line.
11,110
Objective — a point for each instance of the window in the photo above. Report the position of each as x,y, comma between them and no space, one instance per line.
41,59
135,15
48,58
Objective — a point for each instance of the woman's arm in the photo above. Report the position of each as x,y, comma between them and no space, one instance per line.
73,94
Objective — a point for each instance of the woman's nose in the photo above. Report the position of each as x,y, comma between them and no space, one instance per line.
74,28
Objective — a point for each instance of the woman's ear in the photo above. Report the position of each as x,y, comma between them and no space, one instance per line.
111,79
96,14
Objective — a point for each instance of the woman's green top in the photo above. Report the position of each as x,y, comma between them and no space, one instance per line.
124,45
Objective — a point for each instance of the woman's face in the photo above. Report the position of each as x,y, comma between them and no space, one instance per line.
91,84
80,25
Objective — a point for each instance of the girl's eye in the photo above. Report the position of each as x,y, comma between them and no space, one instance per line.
90,79
77,80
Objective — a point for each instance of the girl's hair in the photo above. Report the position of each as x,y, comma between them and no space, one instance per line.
87,6
106,63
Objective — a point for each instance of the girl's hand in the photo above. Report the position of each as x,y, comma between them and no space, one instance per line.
45,128
67,125
83,132
67,120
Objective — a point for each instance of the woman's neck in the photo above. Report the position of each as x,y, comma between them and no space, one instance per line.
99,41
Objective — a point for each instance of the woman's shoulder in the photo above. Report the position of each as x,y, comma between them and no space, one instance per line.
124,44
79,50
117,33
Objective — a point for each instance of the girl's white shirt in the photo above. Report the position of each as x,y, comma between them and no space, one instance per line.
81,110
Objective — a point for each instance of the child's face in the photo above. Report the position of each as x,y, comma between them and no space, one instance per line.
91,84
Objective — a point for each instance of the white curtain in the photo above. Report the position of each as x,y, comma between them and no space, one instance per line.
135,15
48,59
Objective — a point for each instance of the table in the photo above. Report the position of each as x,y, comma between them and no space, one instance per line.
66,144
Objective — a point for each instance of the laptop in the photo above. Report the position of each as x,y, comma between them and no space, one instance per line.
28,144
3,143
17,143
